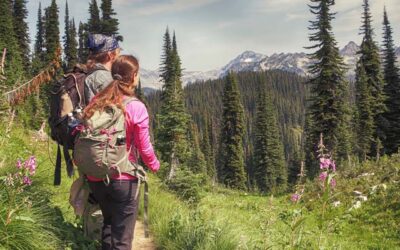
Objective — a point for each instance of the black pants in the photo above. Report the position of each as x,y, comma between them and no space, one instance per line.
119,207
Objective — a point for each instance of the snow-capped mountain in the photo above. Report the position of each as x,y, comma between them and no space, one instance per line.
247,61
251,61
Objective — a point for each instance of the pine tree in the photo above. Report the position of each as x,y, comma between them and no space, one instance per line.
231,172
73,45
270,168
66,37
82,36
365,118
139,92
70,43
196,162
13,66
370,61
173,120
21,31
109,24
52,31
391,89
38,54
328,108
208,151
94,22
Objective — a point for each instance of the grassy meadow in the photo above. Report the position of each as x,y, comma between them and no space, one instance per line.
221,219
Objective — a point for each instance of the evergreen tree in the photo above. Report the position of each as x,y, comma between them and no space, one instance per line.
208,151
20,14
365,118
391,89
329,107
231,172
70,43
139,92
13,63
270,168
94,22
173,120
109,24
73,46
370,61
52,31
38,53
82,36
66,37
196,162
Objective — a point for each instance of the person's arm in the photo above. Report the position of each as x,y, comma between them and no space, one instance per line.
139,127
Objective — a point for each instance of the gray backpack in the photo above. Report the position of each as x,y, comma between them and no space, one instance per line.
100,148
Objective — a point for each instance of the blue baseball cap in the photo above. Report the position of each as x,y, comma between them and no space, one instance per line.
98,43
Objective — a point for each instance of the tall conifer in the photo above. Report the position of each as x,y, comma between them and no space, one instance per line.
52,31
231,171
13,63
208,151
20,14
72,57
94,22
392,88
82,38
328,105
173,120
270,168
374,96
66,37
109,24
38,53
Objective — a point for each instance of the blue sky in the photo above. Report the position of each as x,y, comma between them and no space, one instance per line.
212,32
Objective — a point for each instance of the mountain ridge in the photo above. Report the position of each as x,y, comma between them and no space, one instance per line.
297,62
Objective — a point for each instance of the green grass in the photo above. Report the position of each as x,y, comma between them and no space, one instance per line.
223,219
251,221
51,223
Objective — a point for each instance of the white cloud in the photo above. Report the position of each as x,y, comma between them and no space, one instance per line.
152,7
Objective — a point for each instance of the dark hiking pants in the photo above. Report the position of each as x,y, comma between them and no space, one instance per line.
119,207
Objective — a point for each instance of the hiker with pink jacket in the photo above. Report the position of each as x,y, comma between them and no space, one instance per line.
116,192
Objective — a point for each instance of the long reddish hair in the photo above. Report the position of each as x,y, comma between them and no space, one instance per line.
123,70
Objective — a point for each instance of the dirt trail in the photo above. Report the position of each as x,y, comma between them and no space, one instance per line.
139,241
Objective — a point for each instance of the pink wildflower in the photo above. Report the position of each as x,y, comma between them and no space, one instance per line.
333,166
295,198
19,164
31,165
27,181
322,176
324,163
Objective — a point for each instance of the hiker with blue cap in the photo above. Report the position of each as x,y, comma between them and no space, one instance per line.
103,50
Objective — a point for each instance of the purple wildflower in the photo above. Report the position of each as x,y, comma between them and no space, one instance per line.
322,176
19,164
31,165
333,166
324,163
295,198
27,181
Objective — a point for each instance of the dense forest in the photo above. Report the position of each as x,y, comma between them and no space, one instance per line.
204,103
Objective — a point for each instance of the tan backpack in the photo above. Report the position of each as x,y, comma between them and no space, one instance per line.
100,147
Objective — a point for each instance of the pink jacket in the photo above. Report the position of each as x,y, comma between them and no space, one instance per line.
137,132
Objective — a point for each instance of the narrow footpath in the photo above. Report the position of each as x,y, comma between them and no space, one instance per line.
139,241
